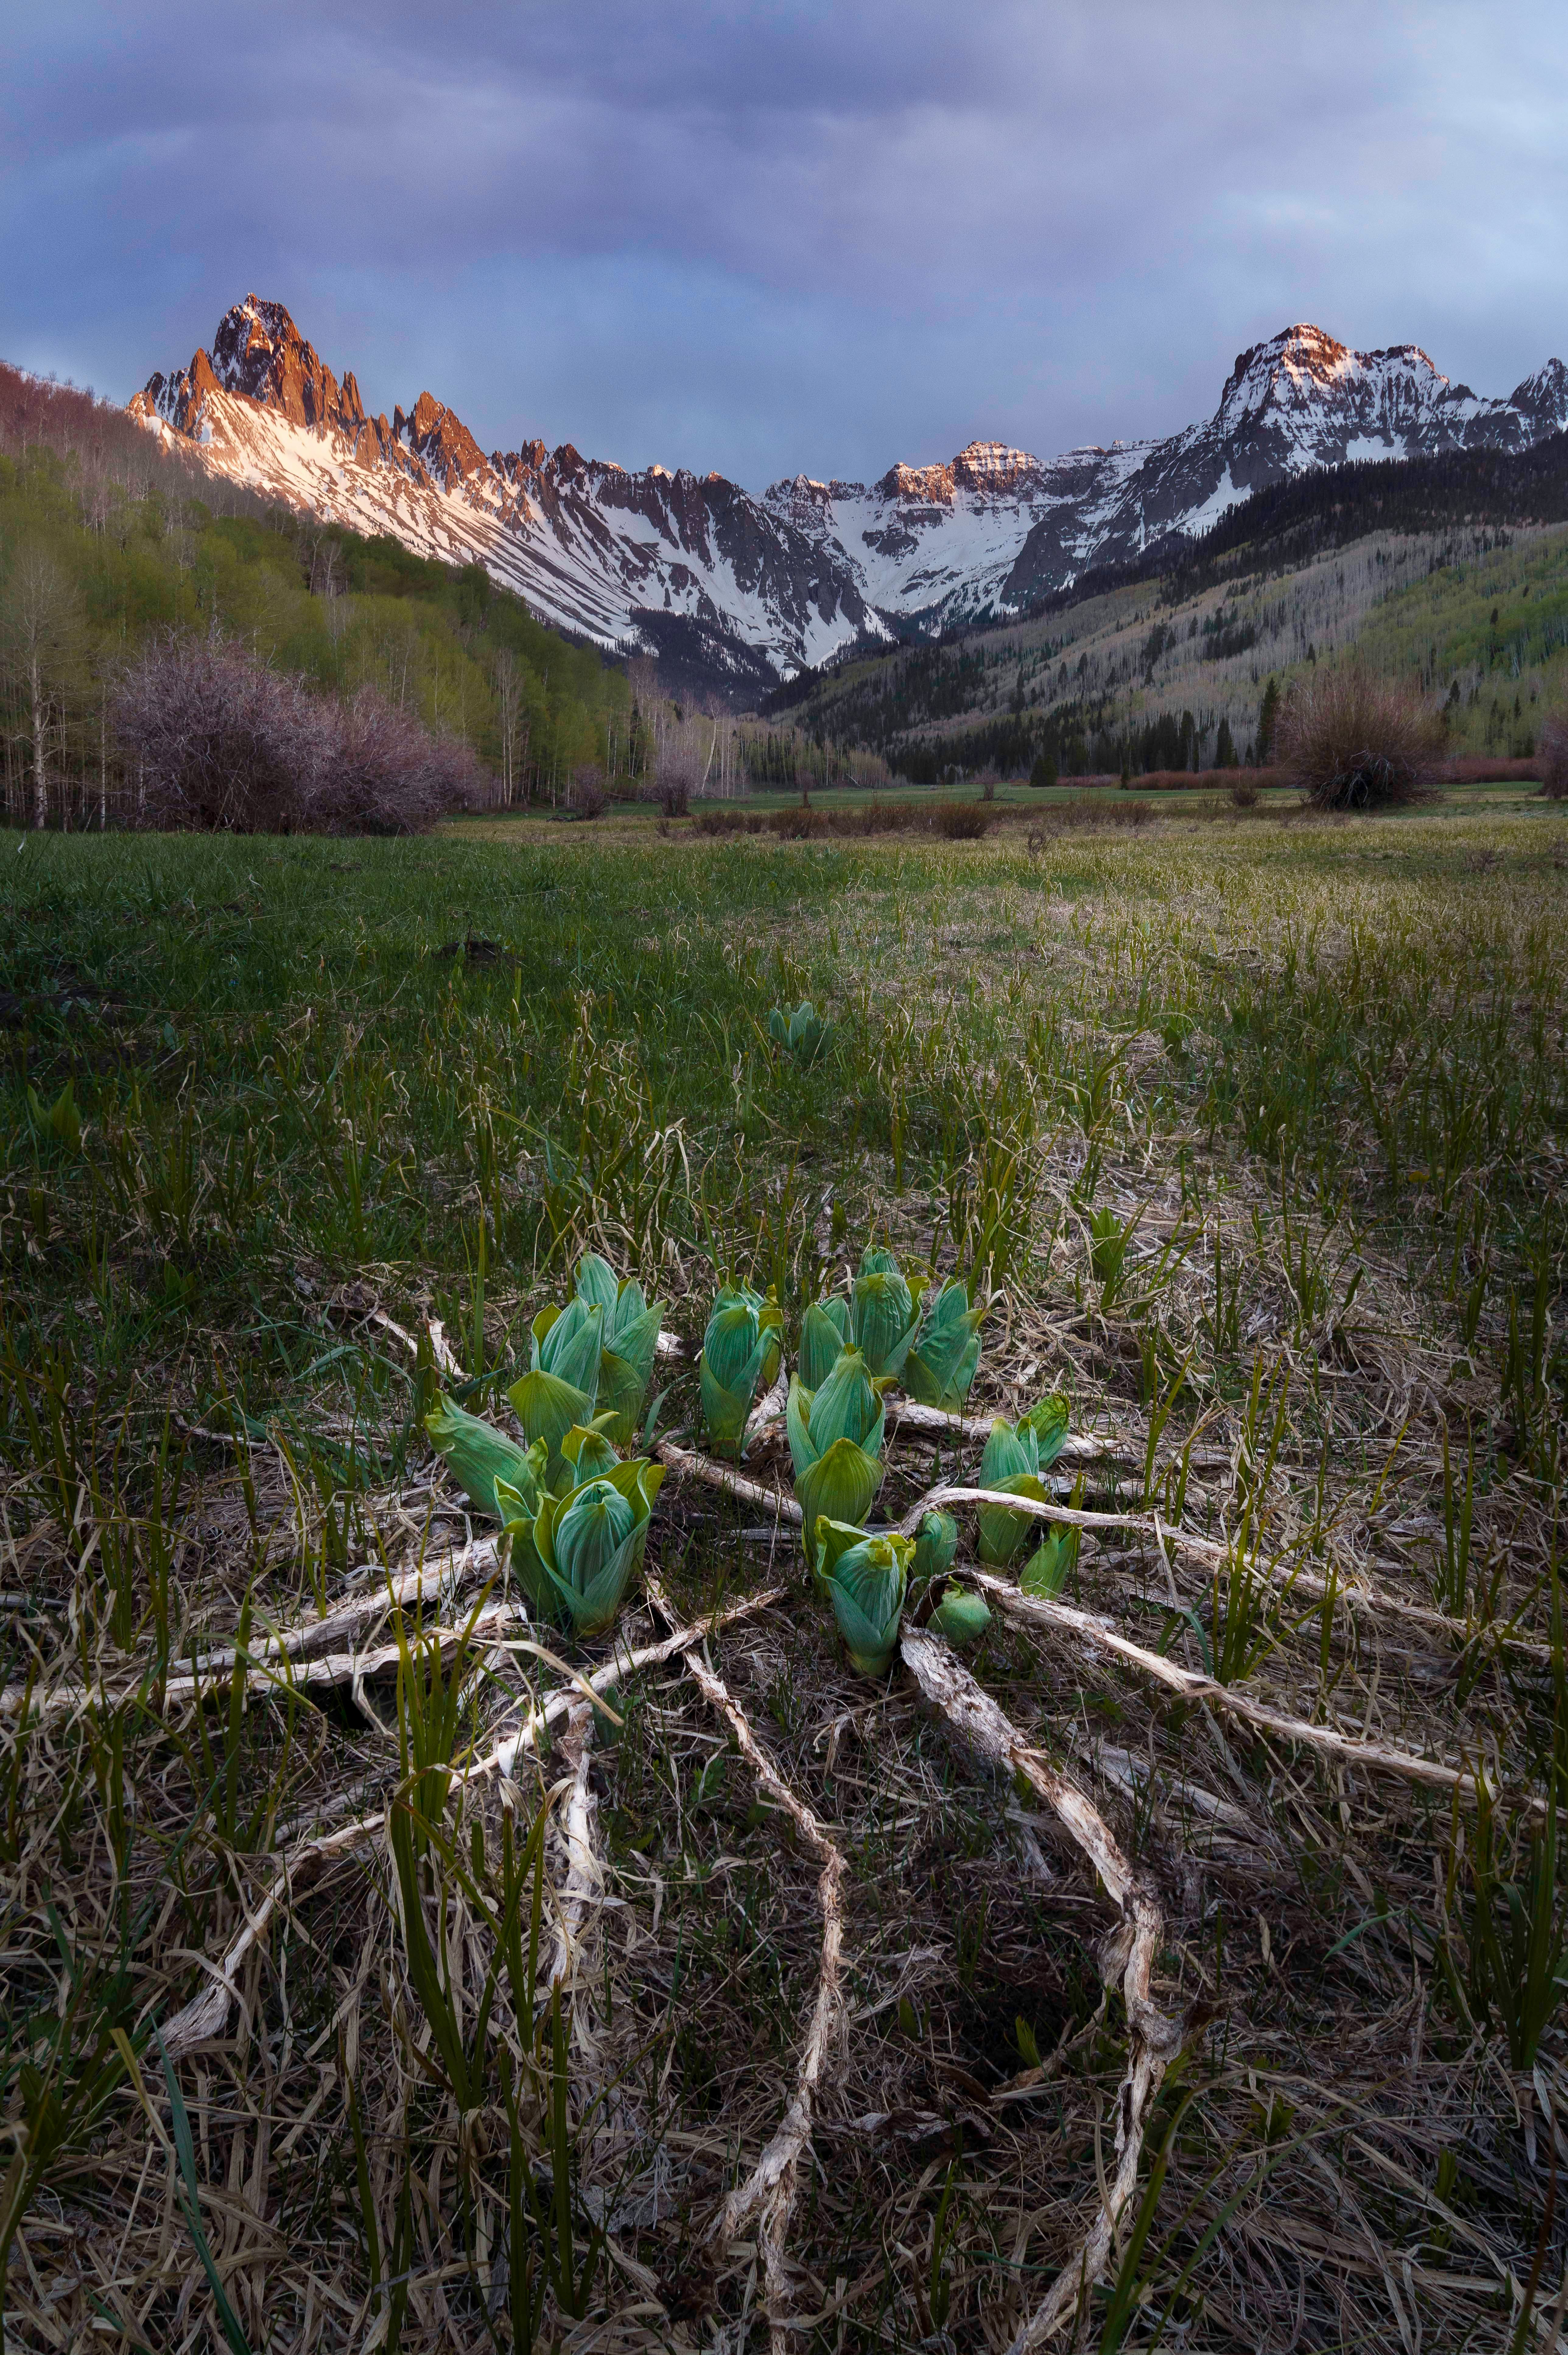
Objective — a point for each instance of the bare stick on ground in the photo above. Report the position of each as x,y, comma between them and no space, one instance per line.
1377,1757
206,2014
768,2192
1153,2039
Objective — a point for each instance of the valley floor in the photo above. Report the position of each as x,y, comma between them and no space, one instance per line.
1257,1136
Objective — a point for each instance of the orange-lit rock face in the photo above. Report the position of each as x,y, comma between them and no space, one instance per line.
738,589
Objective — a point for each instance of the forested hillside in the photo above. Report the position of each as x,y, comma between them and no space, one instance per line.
1451,572
106,540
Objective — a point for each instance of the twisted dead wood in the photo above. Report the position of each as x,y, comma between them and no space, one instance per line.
206,2014
1153,2039
769,2191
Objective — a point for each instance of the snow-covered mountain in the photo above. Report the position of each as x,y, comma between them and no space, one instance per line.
740,591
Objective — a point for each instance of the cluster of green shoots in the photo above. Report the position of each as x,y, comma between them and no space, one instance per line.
575,1510
887,1329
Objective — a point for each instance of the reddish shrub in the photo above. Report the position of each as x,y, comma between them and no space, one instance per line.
589,798
215,742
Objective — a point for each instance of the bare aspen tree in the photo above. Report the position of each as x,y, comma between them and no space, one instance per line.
40,627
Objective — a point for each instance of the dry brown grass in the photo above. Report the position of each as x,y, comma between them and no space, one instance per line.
1343,2156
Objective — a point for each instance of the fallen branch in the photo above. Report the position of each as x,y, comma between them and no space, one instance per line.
691,1466
584,1874
1377,1757
769,2191
206,2014
1159,1534
1153,2039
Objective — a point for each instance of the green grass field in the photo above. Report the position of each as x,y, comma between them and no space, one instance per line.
1255,1134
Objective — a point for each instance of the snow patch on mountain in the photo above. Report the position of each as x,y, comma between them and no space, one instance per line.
811,569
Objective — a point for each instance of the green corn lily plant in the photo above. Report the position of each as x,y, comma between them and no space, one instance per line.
865,1579
961,1616
928,1341
803,1034
1011,1464
879,1318
836,1442
629,1343
941,1367
561,1389
481,1458
935,1543
590,1541
741,1353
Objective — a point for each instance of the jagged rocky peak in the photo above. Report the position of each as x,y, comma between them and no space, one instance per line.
1544,396
992,468
438,435
258,350
1302,370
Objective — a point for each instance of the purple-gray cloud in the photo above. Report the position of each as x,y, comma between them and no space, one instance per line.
764,238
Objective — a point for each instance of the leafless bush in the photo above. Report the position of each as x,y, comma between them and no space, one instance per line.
1352,740
1095,810
387,773
986,781
214,740
962,821
589,798
1553,761
679,777
1244,792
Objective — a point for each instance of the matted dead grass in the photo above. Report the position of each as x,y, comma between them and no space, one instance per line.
909,2135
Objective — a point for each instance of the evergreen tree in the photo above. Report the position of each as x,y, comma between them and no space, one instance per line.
1268,718
1044,771
1224,747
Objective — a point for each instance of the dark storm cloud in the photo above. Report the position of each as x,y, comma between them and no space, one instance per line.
768,238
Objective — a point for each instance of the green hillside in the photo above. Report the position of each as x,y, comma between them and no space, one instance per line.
103,543
1146,674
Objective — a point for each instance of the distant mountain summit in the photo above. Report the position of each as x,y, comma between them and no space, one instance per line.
735,591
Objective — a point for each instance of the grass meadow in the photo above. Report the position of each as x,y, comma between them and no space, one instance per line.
1256,1133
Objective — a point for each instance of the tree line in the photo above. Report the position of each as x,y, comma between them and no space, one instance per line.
115,549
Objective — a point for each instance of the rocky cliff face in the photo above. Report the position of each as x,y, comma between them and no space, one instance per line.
737,591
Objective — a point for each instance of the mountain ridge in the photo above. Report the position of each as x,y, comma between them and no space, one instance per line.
735,591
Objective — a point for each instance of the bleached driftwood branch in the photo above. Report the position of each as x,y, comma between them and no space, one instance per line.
206,2014
1377,1757
769,2191
1153,2039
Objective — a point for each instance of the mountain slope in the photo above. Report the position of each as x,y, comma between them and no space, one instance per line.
736,591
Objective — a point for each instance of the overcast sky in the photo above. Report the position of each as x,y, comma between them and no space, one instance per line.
779,238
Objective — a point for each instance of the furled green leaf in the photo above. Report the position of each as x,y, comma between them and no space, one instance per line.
839,1485
942,1364
590,1542
548,1408
884,1315
961,1616
1004,1534
1047,1422
803,1032
479,1455
568,1342
629,1342
836,1442
1048,1567
866,1579
825,1334
740,1357
936,1542
518,1514
1010,1464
